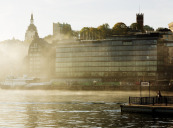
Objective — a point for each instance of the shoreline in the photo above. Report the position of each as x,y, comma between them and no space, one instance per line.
89,88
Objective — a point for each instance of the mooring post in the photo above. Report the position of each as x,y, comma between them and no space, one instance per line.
153,101
166,101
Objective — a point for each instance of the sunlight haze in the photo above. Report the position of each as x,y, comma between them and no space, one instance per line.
15,14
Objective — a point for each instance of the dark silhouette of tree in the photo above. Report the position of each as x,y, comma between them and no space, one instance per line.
119,29
84,33
148,28
104,30
66,29
75,34
48,38
93,33
134,26
101,32
160,29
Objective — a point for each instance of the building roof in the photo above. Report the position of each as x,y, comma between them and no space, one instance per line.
40,41
32,27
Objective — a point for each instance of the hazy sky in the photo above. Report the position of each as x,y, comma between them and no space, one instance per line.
15,14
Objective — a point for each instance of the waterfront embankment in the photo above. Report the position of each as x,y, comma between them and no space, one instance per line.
90,87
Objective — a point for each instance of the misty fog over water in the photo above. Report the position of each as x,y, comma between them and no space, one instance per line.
67,109
12,53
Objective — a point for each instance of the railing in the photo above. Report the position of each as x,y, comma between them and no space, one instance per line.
151,100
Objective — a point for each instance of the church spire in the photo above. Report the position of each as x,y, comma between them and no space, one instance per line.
32,19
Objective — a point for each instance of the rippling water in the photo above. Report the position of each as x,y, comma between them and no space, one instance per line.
67,109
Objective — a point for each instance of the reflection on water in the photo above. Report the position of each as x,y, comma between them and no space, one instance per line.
68,109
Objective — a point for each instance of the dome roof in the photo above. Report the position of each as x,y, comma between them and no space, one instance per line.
32,27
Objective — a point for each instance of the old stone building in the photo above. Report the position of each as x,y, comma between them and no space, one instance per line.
40,56
31,31
140,21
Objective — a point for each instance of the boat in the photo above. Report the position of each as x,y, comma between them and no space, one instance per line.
22,82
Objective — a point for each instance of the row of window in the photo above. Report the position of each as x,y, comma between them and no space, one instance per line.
116,53
34,62
105,64
34,54
34,67
107,74
117,48
34,71
35,45
112,43
35,58
104,69
122,58
35,49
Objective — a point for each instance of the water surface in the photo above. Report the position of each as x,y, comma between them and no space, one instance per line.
67,109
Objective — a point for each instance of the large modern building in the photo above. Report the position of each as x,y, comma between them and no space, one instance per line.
122,58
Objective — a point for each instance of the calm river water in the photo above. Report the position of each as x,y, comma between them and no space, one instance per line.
68,109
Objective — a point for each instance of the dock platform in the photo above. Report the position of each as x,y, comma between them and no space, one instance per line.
150,109
152,105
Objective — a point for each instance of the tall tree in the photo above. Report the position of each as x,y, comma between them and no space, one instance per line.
134,26
119,29
75,34
104,30
84,33
148,28
66,29
93,33
160,29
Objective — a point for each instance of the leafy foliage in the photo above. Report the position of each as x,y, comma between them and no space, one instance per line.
101,32
160,29
104,30
119,29
134,26
66,29
148,28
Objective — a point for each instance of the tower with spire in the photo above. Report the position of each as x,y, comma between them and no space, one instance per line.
140,21
32,19
31,31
